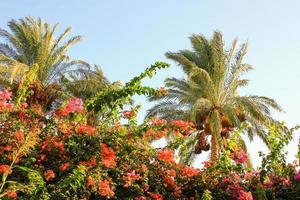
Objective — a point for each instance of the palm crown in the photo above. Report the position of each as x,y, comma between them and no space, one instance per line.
209,95
32,42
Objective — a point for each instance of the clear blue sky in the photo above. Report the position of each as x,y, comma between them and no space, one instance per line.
124,37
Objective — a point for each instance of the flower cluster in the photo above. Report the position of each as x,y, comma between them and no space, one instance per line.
70,159
166,155
5,100
239,156
108,156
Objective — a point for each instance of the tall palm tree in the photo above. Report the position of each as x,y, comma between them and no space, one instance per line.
32,42
209,95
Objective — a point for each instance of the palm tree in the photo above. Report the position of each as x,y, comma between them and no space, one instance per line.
31,42
209,95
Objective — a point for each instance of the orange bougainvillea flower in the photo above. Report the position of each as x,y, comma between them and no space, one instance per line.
18,136
49,175
108,156
87,129
156,196
64,167
189,171
128,114
171,172
166,155
89,182
105,190
12,194
5,169
158,122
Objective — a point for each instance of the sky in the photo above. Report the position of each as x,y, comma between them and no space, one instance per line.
124,37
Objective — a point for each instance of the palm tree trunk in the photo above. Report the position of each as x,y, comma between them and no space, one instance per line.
214,155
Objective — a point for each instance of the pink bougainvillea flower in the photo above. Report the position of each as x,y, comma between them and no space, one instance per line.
74,105
297,176
130,177
239,156
5,95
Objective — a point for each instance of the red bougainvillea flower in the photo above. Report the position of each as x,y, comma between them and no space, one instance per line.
87,129
140,198
156,196
89,182
49,175
166,155
89,164
189,171
297,176
242,195
169,182
12,194
108,156
128,114
105,190
239,156
64,167
130,177
59,145
5,169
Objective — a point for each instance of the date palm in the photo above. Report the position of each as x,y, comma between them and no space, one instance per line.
32,42
209,95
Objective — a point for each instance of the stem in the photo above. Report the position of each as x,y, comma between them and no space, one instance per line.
4,176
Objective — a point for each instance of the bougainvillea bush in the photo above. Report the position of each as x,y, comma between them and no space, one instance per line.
57,155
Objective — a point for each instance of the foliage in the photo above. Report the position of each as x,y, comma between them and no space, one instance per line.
59,156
